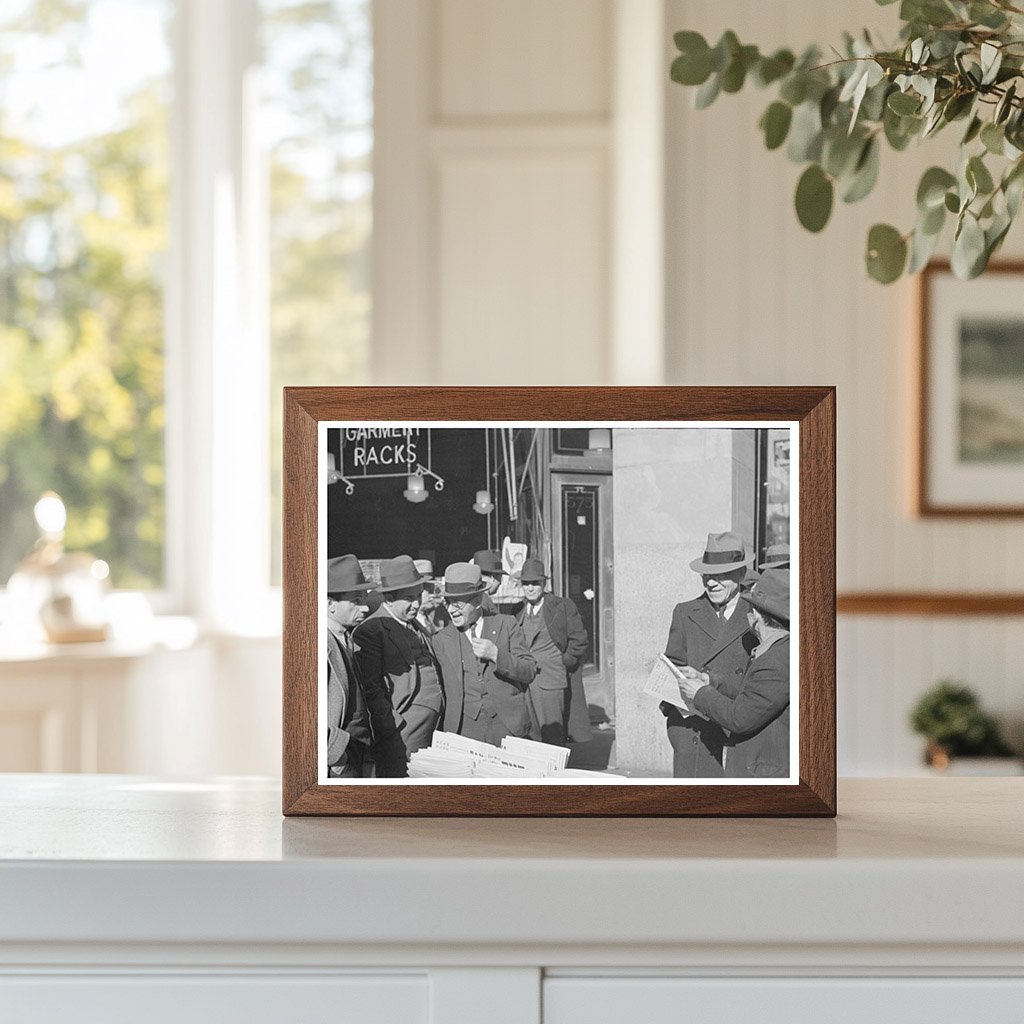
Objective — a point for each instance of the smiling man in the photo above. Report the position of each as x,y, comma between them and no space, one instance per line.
485,663
710,635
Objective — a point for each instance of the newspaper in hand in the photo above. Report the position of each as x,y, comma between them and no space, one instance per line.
663,683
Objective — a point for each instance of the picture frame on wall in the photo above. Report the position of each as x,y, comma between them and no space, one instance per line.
559,601
970,384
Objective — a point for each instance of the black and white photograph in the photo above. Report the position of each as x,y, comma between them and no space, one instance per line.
558,602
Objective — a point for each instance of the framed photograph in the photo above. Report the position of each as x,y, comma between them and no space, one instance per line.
559,601
970,450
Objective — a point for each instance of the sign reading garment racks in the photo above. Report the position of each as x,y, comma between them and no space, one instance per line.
382,453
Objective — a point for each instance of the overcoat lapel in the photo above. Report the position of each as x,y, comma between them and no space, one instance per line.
735,627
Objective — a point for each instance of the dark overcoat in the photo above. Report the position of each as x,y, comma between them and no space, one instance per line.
757,717
399,658
569,635
697,638
359,717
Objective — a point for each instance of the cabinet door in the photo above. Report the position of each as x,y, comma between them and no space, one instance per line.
783,1000
206,999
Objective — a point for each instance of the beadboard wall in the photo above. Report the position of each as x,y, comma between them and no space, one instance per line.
550,209
753,298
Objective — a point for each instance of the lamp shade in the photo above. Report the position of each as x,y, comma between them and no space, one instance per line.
599,440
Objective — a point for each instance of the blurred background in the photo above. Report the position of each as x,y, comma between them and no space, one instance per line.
202,201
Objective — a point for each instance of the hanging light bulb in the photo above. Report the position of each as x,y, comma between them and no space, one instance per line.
333,476
483,504
415,489
599,440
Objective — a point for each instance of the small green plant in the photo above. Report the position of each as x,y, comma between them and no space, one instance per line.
956,61
950,716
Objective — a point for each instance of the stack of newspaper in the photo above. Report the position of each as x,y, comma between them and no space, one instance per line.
452,756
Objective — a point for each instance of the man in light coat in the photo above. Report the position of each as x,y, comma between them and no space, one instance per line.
484,662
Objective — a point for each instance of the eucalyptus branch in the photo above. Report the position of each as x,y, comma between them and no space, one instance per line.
833,117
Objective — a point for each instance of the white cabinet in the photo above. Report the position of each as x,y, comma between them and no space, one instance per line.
201,999
132,898
827,1000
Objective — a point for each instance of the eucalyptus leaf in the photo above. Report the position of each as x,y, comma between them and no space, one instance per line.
865,174
771,69
886,253
987,15
814,195
993,138
952,202
973,129
903,103
805,133
794,88
968,247
922,248
707,93
978,176
840,152
722,54
931,190
775,124
1004,106
932,221
991,60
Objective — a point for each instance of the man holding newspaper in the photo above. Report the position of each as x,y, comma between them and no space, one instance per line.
710,635
728,654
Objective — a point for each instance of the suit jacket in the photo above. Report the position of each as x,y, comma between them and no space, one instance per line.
505,681
693,640
757,717
393,654
369,719
566,629
347,718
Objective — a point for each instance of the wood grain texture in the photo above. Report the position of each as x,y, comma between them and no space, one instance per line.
923,504
812,407
925,603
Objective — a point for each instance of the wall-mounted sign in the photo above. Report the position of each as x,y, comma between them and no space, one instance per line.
382,453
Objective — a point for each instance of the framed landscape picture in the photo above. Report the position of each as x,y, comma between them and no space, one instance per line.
559,601
970,450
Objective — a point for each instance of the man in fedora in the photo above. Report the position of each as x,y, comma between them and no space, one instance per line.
492,569
394,654
776,557
484,661
557,639
709,634
359,716
432,615
757,715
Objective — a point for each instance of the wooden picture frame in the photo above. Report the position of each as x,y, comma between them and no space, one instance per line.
969,448
810,790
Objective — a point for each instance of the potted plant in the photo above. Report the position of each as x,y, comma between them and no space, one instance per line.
950,717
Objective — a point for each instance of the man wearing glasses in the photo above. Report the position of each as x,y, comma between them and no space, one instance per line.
485,664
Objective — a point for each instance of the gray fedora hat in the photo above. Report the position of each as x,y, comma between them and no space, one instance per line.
722,553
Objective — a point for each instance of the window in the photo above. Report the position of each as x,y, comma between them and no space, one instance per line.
83,237
317,119
167,264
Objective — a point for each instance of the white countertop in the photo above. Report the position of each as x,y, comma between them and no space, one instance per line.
123,859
